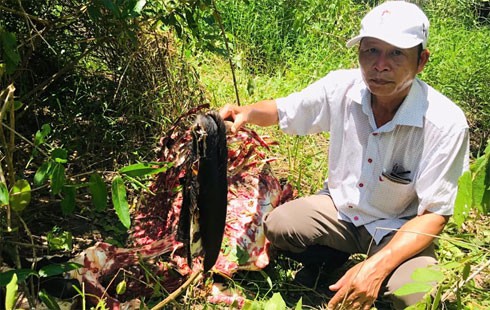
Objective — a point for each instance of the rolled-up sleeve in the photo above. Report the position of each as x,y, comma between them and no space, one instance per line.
444,163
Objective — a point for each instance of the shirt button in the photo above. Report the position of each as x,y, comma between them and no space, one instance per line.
350,207
356,218
375,133
361,184
370,160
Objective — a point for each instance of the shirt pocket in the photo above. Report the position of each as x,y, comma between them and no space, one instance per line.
391,198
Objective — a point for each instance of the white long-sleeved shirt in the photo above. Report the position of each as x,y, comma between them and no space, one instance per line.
427,140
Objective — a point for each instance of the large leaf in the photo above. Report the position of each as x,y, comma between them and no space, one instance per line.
11,295
98,191
20,195
21,274
58,269
463,202
68,202
42,173
275,303
120,201
4,195
429,274
57,178
8,44
413,288
144,169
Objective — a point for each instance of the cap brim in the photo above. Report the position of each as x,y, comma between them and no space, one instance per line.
400,41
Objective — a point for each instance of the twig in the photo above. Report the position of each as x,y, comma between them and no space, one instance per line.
32,17
460,284
217,16
195,276
25,139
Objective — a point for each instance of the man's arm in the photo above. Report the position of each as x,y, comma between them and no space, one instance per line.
361,284
262,113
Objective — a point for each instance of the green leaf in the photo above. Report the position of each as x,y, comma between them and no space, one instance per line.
60,241
121,287
21,274
20,195
4,195
299,305
413,288
11,294
57,178
481,183
42,173
98,191
275,303
49,301
144,169
242,255
18,105
40,136
463,201
267,278
252,305
60,155
58,269
68,202
120,201
9,51
138,7
429,274
466,271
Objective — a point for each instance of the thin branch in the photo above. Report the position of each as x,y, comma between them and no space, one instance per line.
195,277
217,16
32,17
460,284
25,139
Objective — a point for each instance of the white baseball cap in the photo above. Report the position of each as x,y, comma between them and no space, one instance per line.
398,23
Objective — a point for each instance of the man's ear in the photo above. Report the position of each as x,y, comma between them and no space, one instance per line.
424,58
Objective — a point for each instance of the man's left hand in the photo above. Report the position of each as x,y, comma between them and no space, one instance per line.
358,288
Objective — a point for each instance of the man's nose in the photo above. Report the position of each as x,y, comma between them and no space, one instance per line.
381,62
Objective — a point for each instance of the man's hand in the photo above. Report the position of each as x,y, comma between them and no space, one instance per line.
262,113
358,288
236,114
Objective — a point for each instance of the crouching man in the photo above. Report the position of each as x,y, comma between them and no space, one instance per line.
397,149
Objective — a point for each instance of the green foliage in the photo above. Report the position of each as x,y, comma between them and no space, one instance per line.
20,195
120,201
11,295
474,189
8,48
59,240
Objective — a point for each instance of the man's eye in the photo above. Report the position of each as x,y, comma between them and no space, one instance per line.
397,53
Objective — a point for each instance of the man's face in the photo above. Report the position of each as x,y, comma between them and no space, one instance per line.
387,70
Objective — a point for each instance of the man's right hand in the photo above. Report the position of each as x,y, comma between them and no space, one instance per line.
238,115
262,113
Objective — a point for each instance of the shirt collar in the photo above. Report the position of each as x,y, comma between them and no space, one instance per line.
411,111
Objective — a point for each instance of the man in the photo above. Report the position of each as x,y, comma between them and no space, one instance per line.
397,149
